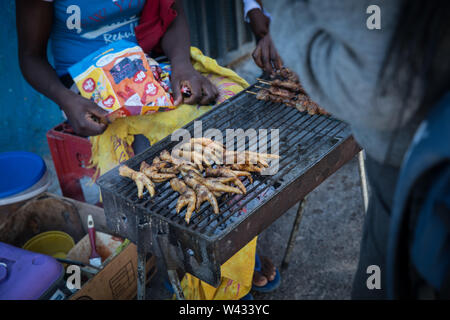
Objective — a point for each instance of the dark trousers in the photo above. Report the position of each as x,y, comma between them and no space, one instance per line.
140,143
382,180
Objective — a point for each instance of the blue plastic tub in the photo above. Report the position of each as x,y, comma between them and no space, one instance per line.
19,171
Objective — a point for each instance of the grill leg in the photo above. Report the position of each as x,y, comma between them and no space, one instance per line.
363,176
291,241
175,282
141,272
170,260
141,263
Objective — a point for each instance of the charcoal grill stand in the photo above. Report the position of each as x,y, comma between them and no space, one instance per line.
315,146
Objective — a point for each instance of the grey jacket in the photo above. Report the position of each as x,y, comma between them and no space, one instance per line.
338,60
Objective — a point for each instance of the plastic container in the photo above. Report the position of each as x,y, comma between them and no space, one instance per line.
26,275
71,154
53,243
24,175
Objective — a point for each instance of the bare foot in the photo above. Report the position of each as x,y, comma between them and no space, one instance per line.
267,273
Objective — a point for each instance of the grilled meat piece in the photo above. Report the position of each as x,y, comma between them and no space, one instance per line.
210,151
304,103
202,193
206,142
226,172
162,166
287,74
151,171
301,102
288,85
187,198
283,93
139,178
265,95
246,157
167,156
246,167
185,168
212,184
189,156
235,180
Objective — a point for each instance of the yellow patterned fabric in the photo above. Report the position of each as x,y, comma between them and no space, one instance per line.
114,147
236,280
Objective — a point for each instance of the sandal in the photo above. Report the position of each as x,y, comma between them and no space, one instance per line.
271,285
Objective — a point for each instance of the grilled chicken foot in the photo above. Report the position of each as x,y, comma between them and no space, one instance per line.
139,178
189,156
208,153
246,167
202,192
187,198
213,185
153,174
185,168
226,172
166,156
217,147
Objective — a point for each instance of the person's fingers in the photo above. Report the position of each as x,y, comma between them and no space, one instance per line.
100,114
196,92
279,62
176,92
275,58
265,57
87,126
209,97
214,89
257,55
97,111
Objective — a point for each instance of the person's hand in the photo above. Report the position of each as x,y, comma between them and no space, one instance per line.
266,55
259,23
202,91
85,117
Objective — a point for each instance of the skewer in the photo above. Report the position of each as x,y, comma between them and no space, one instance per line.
264,81
251,92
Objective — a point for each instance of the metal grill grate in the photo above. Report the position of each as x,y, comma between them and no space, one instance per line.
311,148
303,139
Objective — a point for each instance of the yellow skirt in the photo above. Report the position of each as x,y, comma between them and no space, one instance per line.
114,147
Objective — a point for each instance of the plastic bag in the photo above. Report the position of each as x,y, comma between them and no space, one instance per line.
119,79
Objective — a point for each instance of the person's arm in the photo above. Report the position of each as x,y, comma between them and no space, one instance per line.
176,45
34,22
265,54
338,59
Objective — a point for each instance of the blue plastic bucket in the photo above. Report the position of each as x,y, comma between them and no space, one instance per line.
19,171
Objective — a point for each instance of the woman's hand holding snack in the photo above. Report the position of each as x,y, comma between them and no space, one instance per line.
202,91
85,117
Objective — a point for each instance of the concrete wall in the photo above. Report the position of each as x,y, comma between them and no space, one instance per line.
25,115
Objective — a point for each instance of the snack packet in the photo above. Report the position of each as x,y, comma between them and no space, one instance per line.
119,79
